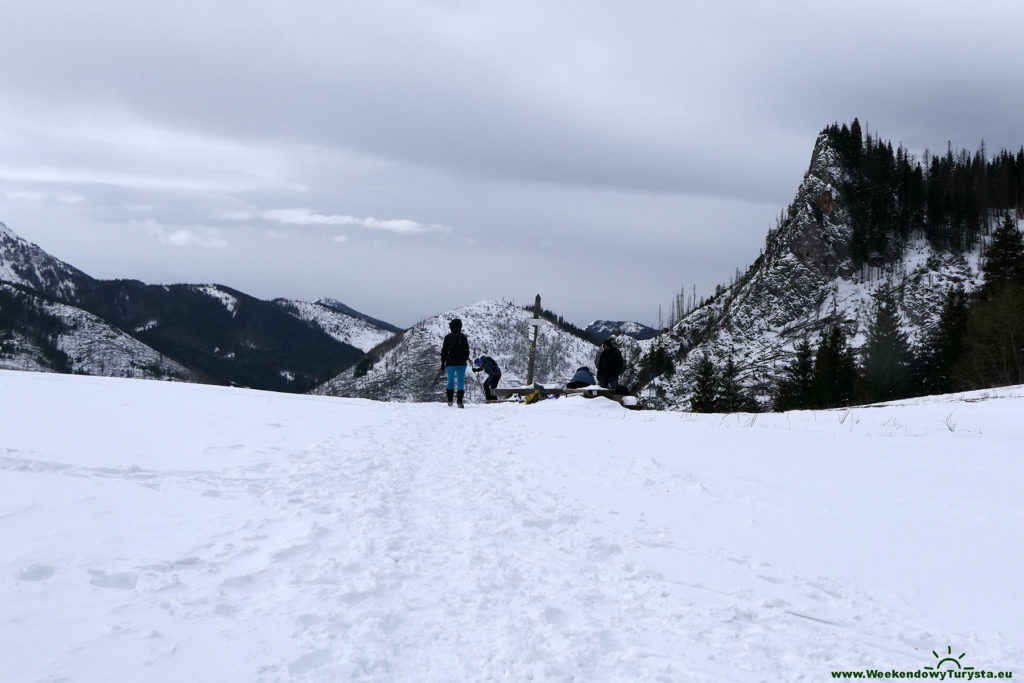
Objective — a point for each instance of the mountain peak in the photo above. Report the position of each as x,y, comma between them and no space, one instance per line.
807,280
339,307
24,263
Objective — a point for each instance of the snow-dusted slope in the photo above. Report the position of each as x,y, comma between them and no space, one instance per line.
349,329
408,368
178,532
24,263
95,348
804,281
220,293
88,345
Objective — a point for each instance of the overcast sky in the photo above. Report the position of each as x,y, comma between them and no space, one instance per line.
411,157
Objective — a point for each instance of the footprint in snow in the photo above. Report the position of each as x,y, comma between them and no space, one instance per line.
306,663
36,572
122,580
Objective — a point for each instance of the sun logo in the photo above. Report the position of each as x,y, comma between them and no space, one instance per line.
954,662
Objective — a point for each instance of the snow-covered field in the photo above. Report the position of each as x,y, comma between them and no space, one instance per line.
176,532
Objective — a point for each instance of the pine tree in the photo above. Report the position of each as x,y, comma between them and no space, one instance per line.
886,359
705,387
834,370
944,346
795,390
732,397
993,342
1004,260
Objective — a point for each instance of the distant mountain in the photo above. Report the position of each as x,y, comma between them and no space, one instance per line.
603,329
42,330
207,333
42,334
407,367
344,324
227,336
336,305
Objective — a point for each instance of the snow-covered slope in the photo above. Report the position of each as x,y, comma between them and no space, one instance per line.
95,348
79,342
179,532
24,263
330,316
804,281
408,367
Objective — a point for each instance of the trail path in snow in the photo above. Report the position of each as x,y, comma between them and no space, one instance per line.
175,532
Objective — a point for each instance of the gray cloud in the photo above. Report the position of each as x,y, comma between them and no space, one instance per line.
654,139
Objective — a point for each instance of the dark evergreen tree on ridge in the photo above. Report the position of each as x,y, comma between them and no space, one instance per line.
949,199
731,397
705,387
795,389
886,357
993,343
1004,259
943,347
834,370
993,346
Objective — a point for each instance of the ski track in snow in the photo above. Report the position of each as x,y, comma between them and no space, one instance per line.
290,538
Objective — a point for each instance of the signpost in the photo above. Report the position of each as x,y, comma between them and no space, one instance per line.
535,324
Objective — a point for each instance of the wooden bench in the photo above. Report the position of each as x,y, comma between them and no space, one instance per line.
585,392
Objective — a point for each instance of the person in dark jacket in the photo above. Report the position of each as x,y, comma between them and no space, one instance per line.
490,366
582,378
609,365
454,356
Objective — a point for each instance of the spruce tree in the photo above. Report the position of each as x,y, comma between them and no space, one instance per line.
993,342
944,346
886,359
795,389
834,370
705,387
993,339
1004,260
732,397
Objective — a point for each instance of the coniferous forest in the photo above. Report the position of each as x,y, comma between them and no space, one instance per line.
951,199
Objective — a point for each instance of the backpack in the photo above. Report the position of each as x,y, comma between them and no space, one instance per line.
538,394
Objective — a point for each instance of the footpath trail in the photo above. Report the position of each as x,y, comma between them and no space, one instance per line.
217,534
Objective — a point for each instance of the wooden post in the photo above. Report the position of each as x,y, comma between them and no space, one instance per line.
533,341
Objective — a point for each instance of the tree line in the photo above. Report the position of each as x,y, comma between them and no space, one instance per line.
950,199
